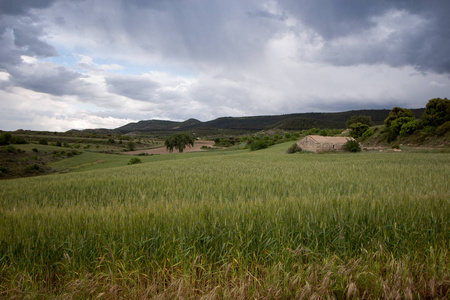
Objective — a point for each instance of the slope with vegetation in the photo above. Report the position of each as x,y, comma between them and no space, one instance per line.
402,126
245,125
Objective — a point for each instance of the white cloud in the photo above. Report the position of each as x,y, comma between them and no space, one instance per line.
4,76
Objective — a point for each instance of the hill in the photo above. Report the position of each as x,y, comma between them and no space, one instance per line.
297,121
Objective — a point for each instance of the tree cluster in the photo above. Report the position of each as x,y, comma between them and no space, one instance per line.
402,121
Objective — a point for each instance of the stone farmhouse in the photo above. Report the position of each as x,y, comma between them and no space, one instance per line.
318,143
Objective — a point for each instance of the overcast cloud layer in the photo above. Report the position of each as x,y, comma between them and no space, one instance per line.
90,64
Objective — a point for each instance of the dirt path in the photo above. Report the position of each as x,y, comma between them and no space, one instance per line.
163,150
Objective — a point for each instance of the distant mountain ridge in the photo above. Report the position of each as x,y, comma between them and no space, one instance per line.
298,121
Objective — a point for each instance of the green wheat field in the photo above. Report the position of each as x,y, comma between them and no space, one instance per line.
230,225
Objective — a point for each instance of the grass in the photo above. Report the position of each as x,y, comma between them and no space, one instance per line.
231,224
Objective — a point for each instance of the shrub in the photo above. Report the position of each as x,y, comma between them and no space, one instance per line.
360,119
352,146
367,133
294,149
358,129
396,113
35,150
397,124
134,160
437,112
130,145
5,138
18,140
8,149
409,127
323,132
72,153
43,141
33,168
443,129
258,145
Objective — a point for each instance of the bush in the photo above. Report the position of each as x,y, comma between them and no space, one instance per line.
437,112
360,119
5,138
409,128
43,142
358,129
8,149
130,145
397,124
352,146
367,133
134,160
33,168
443,129
294,149
18,140
397,113
323,132
258,145
35,150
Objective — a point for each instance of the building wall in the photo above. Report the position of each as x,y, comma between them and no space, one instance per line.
309,144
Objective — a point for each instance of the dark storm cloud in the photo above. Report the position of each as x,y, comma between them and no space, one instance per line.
201,33
21,33
20,7
134,87
424,47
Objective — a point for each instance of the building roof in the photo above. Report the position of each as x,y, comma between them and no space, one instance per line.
330,139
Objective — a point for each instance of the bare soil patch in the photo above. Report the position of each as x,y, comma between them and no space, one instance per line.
197,147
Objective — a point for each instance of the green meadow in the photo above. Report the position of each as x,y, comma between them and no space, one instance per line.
230,224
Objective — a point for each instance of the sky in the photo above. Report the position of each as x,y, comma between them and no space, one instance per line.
77,64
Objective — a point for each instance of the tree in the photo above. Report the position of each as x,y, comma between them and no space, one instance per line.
179,141
360,119
358,129
5,138
130,145
437,112
396,113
